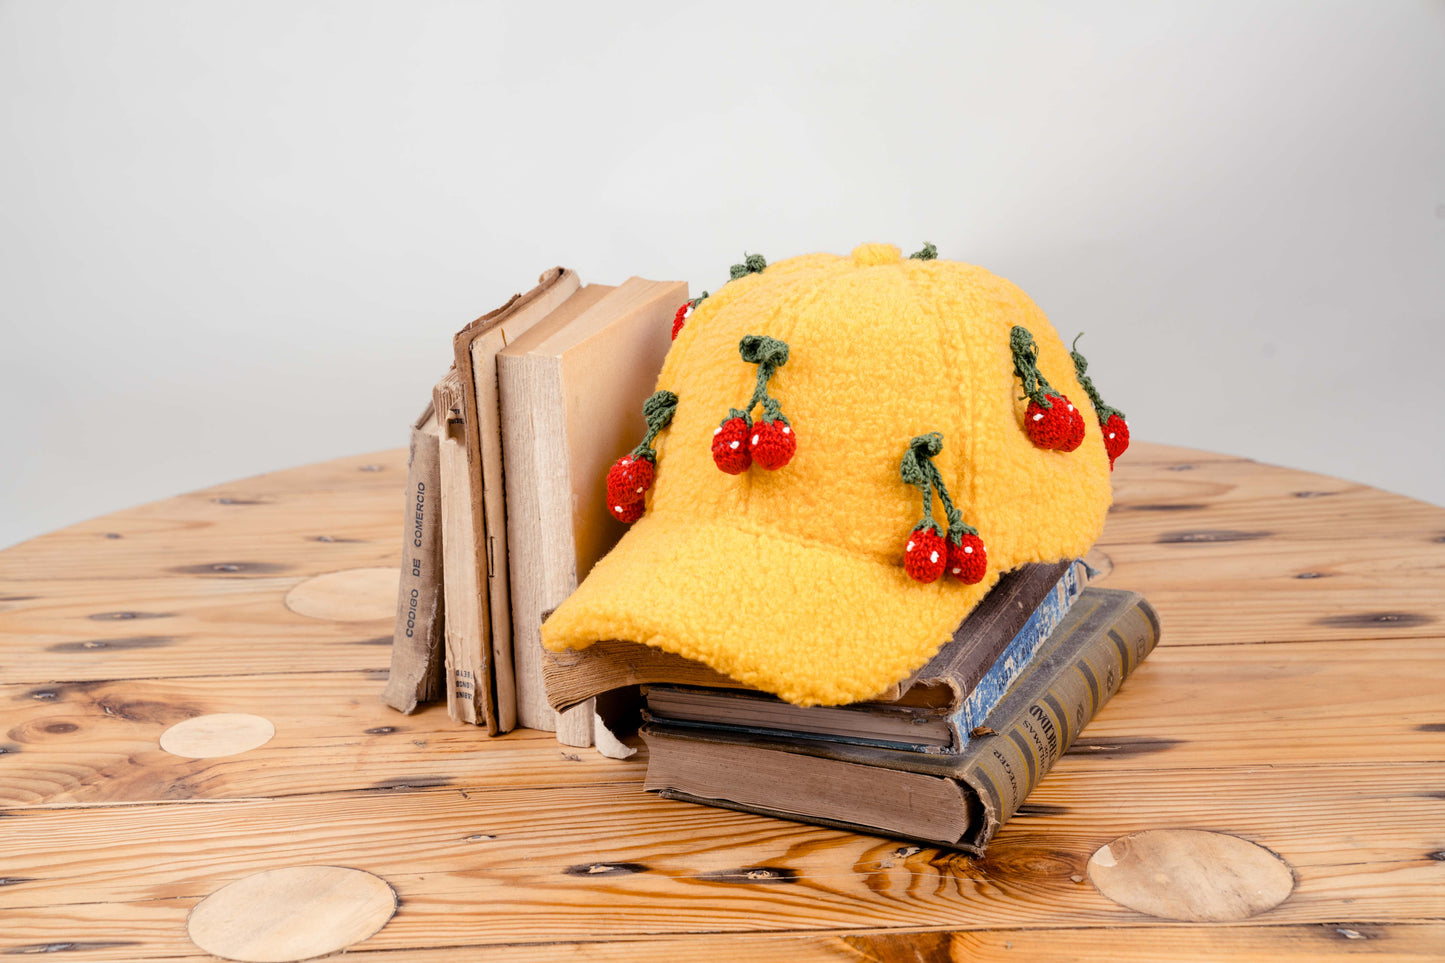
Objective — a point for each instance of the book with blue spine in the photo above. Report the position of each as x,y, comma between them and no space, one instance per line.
939,706
1021,650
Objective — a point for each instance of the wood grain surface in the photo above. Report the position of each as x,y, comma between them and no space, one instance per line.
1191,875
1296,704
293,913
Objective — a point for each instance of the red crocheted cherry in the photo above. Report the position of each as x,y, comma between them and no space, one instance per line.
730,446
1059,427
628,513
1076,426
683,313
1116,437
773,443
628,480
1111,420
631,476
925,555
967,560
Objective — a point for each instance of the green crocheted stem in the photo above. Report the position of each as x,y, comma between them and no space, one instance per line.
928,253
1026,368
950,511
659,408
739,413
658,411
752,264
956,533
1081,365
697,300
769,354
760,391
917,469
760,349
928,520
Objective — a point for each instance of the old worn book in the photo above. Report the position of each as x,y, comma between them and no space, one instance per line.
573,676
417,641
467,634
959,800
939,706
476,347
571,388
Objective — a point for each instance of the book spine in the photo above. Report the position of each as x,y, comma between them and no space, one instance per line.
1039,721
1018,655
486,677
417,643
468,634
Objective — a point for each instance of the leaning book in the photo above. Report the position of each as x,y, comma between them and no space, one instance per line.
417,646
955,800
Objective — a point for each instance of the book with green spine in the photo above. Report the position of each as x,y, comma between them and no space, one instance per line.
959,801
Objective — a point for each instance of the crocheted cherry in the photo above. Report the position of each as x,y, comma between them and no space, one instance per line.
628,479
1111,420
929,552
738,441
1116,437
628,513
967,559
683,313
1057,427
631,476
925,555
730,446
1076,426
773,443
1051,420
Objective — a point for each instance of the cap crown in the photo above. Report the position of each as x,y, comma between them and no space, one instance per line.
882,349
793,581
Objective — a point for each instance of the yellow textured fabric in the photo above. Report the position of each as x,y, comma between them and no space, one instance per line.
792,581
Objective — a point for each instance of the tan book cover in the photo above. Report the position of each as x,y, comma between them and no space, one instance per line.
475,348
572,390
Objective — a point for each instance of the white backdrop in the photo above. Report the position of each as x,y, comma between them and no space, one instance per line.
237,236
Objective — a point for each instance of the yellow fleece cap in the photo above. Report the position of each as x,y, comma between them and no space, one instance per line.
793,580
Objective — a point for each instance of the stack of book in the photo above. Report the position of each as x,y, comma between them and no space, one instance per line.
504,511
946,758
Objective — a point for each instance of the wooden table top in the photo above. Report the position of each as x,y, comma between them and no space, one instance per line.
1293,718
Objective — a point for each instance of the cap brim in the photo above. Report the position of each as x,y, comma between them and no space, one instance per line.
808,622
